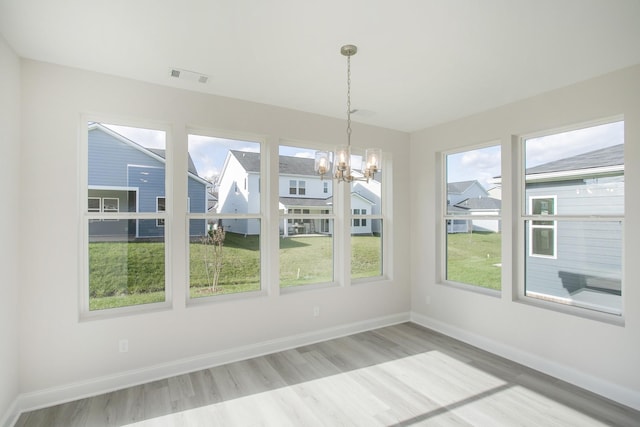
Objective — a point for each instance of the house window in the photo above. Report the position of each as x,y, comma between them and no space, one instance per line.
572,216
125,173
325,187
225,245
297,187
367,218
110,205
94,204
471,226
160,207
306,247
542,241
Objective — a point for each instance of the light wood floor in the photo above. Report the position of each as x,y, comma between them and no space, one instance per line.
402,375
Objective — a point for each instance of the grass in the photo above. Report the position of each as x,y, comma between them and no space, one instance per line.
474,258
123,274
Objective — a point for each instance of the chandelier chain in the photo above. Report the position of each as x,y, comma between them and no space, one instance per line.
349,101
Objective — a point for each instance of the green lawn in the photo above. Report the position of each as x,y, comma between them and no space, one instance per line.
123,274
474,258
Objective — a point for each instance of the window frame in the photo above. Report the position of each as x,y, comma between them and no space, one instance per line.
259,216
446,219
384,215
522,215
84,312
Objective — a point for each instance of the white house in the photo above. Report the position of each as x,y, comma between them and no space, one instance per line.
301,191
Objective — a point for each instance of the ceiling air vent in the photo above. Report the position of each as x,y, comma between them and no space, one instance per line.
190,76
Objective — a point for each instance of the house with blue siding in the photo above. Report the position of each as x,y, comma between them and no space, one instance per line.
124,176
580,259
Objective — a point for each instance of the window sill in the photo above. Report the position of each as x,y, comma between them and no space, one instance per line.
472,288
132,310
214,299
572,310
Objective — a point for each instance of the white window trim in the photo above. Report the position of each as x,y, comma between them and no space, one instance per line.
84,314
260,216
519,181
445,217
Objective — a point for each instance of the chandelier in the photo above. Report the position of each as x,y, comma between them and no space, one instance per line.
342,156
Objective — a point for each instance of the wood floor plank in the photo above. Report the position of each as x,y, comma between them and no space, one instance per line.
402,375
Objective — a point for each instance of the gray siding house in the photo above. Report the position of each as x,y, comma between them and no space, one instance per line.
471,198
124,176
579,260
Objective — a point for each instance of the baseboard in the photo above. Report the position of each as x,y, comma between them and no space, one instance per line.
615,392
78,390
11,415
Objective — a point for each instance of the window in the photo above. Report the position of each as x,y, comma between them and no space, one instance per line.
125,173
572,216
306,223
542,240
471,218
297,187
94,204
366,225
110,204
325,187
224,223
356,221
160,207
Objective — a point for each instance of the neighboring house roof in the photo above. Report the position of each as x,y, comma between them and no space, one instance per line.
288,165
307,201
480,203
459,187
604,157
315,202
157,153
248,160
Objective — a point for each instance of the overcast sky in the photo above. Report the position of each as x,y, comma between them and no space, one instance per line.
484,164
208,153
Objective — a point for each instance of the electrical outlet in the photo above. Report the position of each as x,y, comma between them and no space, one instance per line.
316,311
123,345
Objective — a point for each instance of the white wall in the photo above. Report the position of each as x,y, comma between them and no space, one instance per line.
595,354
9,212
61,355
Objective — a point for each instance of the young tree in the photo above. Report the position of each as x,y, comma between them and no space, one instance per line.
213,242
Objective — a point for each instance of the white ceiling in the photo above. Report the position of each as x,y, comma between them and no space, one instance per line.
420,62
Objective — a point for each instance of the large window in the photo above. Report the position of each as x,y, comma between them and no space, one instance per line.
572,216
224,216
471,218
124,236
306,220
129,212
